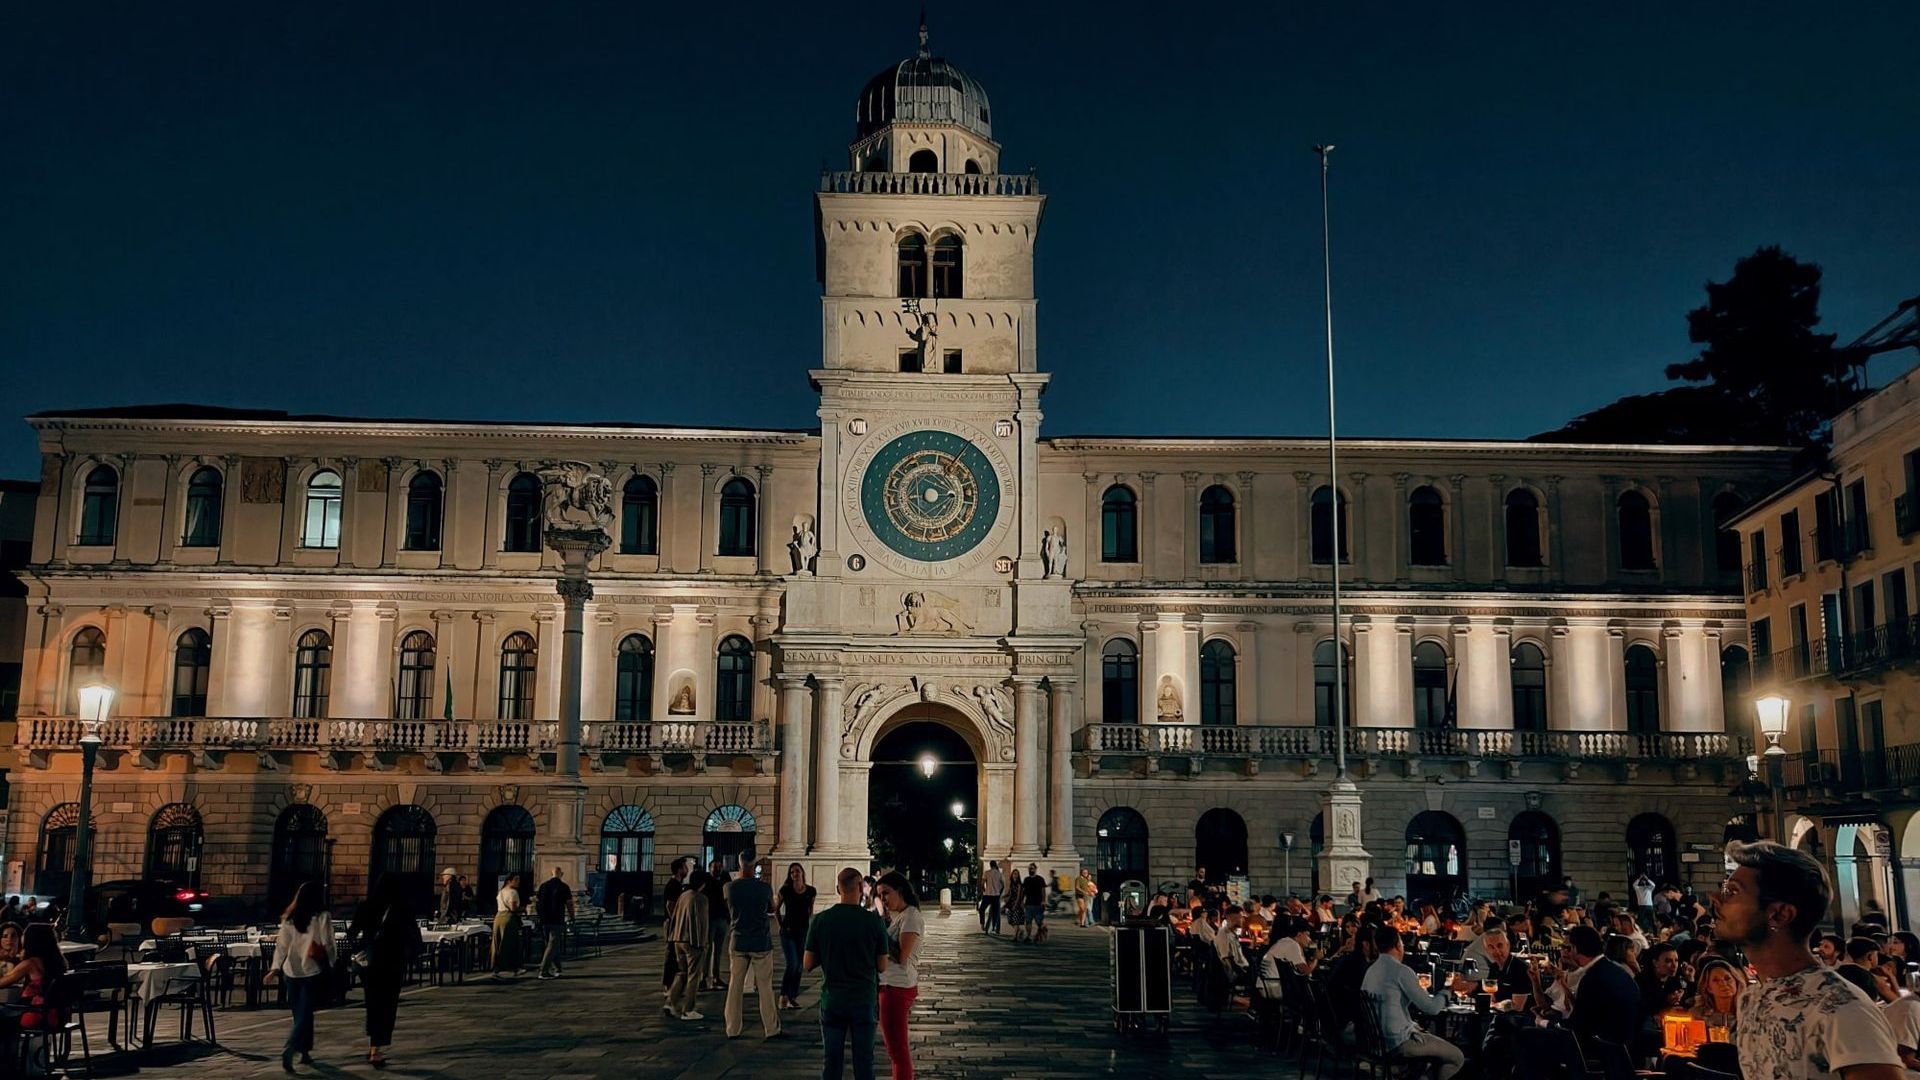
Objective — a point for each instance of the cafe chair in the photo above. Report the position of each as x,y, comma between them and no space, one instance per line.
37,1051
124,936
103,989
166,928
1373,1052
191,995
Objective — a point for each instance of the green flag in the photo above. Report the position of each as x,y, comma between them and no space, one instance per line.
448,711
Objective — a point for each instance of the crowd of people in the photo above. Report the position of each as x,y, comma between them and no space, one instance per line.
1775,997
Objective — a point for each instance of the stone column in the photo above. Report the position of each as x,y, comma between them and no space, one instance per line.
486,654
1402,536
393,524
1496,528
1093,544
1026,418
1190,526
1147,535
1027,767
493,520
1552,511
1060,839
549,679
1559,693
170,516
579,520
829,696
1149,671
349,510
1303,555
794,764
229,506
449,512
57,469
709,518
1195,630
123,519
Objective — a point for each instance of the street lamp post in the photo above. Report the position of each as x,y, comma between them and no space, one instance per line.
95,702
1772,710
1286,848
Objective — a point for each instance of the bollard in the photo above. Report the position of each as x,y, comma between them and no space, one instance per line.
946,902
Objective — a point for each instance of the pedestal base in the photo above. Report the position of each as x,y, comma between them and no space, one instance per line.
1343,859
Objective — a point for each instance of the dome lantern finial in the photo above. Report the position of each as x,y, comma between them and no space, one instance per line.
923,31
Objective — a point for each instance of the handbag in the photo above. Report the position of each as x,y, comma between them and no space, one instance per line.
362,959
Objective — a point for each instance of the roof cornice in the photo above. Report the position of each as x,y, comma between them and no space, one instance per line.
414,429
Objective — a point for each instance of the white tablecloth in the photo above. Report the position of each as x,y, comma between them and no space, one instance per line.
434,937
69,948
150,980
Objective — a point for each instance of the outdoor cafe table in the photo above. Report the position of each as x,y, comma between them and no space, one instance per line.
146,981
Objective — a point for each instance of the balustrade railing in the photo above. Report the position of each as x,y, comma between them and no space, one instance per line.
1278,741
910,183
415,736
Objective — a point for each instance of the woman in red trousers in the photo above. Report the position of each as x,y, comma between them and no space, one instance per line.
900,983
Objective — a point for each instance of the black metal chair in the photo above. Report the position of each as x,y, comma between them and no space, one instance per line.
39,1050
191,995
103,989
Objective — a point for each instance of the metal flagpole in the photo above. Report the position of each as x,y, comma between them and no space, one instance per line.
1333,481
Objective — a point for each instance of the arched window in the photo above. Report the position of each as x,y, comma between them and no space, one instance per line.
86,663
312,674
1426,528
1220,844
519,664
1324,674
728,837
299,854
100,508
413,697
192,664
912,260
626,841
1323,526
1529,688
736,517
1429,685
1726,542
320,526
633,680
424,506
1643,690
923,161
203,509
523,514
1523,529
59,832
972,168
1217,671
1119,517
506,847
173,847
1216,525
640,517
733,681
1736,683
1436,858
1652,850
403,840
1636,532
947,266
1120,682
1121,854
1539,869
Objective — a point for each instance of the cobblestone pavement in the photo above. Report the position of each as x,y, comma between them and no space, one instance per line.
987,1008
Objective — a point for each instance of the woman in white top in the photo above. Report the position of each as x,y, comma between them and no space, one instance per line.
506,927
303,955
900,983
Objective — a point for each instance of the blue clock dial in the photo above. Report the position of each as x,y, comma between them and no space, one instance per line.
930,495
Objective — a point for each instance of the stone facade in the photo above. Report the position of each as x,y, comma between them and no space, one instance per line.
258,586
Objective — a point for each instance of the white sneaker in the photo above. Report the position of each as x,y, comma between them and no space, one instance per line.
690,1015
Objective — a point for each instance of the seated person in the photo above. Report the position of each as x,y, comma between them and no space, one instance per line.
1226,945
1507,971
1343,982
1392,989
40,964
1715,996
1661,987
10,945
1829,947
1206,922
1292,945
1605,1003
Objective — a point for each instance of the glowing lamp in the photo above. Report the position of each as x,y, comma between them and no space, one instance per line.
1685,1034
928,765
959,809
1772,710
95,702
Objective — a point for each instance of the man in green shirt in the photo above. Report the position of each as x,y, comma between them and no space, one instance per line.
849,944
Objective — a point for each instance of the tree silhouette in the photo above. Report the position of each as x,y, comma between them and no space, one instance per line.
1763,376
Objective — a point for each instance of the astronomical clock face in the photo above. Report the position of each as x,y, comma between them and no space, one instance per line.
927,496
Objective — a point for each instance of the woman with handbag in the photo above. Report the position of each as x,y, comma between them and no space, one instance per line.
304,957
387,938
506,927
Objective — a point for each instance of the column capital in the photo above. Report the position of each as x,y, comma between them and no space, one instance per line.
441,616
791,680
833,682
484,618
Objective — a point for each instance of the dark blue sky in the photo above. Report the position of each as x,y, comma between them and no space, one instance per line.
557,212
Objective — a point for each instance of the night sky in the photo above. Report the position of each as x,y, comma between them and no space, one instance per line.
556,212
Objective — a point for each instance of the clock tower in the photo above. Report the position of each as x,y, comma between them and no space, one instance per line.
928,585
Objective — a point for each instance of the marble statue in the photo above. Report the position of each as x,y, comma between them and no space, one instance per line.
931,613
1053,551
803,547
1169,701
682,703
576,499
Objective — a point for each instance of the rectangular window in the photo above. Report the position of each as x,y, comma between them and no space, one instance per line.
1862,613
909,360
321,528
1760,635
1790,550
1893,586
1757,561
1809,730
950,361
1858,536
1826,524
1800,643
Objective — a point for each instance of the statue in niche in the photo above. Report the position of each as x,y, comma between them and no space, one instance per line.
931,613
803,547
682,703
924,332
1053,551
1169,701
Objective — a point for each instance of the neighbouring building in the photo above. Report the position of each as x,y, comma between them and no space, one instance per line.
336,641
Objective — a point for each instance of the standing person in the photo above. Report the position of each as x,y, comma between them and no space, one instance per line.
388,938
1010,902
553,905
900,982
1033,902
506,927
669,896
304,955
849,945
992,884
794,906
716,890
1802,1019
689,935
449,896
1083,890
750,909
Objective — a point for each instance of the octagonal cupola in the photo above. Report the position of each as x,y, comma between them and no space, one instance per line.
924,115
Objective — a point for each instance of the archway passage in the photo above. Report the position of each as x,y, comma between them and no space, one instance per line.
923,772
1436,858
1220,846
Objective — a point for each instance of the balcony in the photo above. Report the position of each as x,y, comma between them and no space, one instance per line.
1788,665
1249,745
1858,654
899,183
482,744
1836,776
1906,514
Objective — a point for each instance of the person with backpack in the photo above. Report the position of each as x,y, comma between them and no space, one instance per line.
553,905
